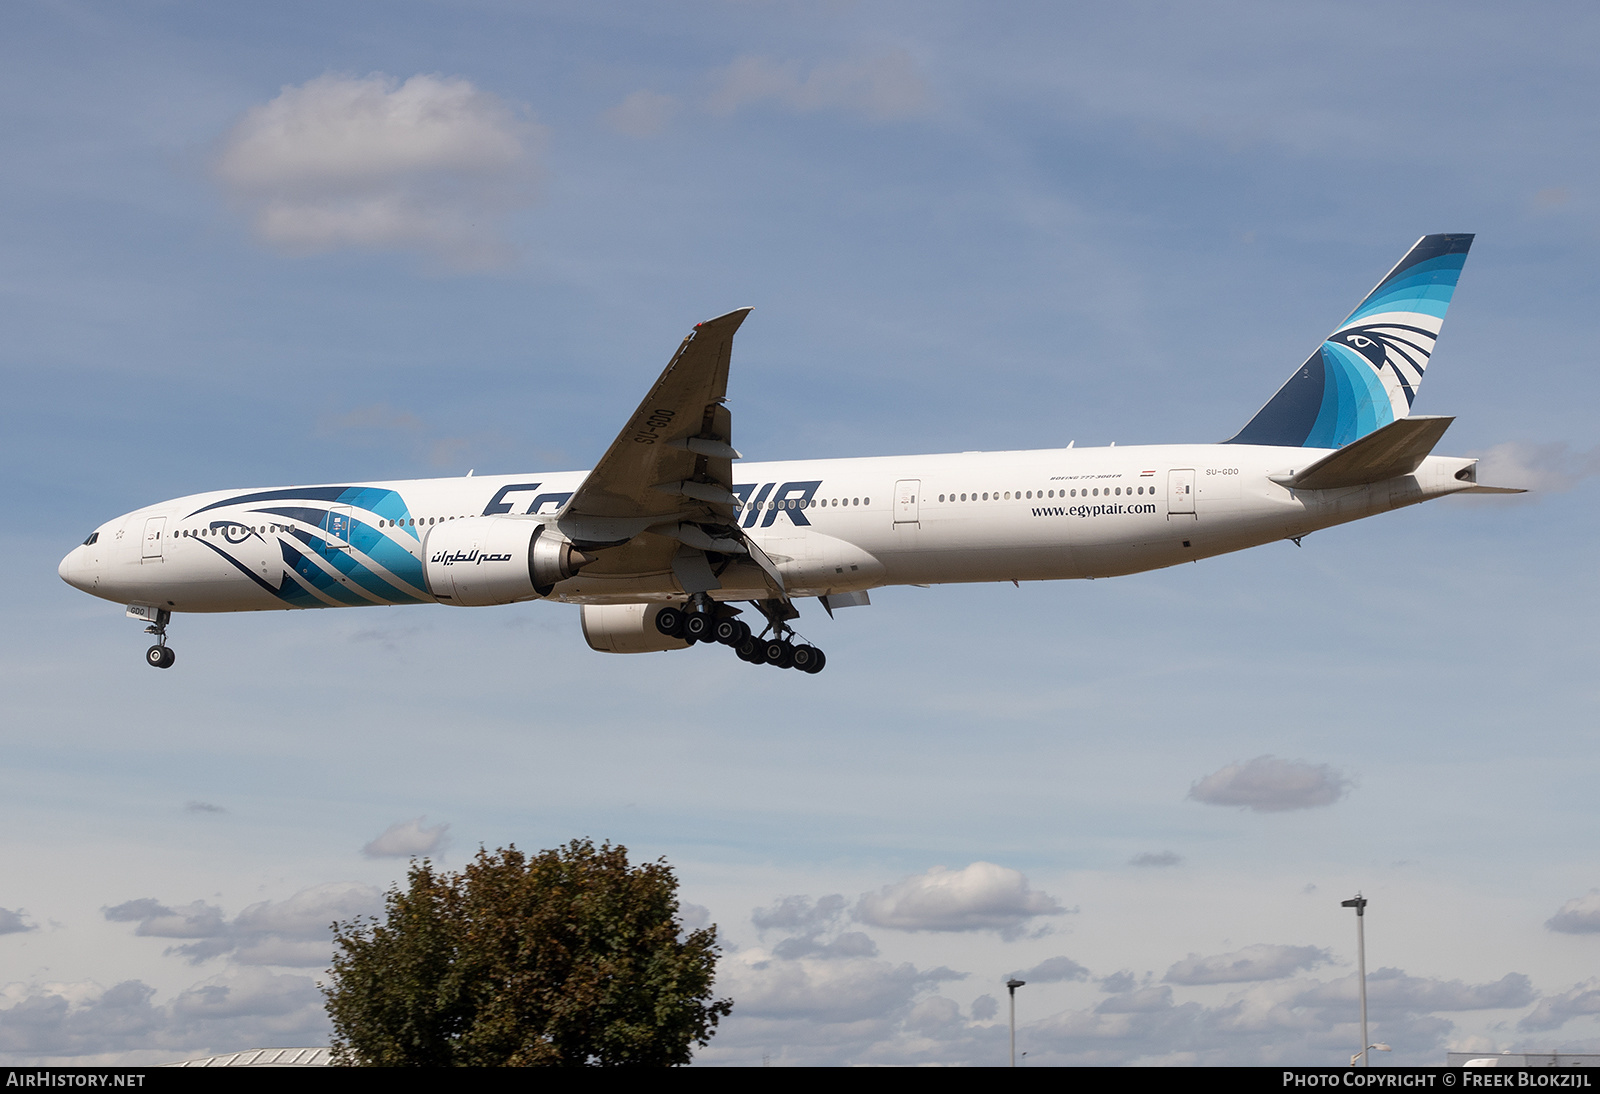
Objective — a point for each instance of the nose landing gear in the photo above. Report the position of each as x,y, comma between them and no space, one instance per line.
160,655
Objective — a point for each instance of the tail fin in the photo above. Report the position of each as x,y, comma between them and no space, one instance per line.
1367,372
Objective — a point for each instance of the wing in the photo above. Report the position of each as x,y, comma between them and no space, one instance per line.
661,498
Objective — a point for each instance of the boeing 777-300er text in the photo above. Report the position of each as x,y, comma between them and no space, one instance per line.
662,539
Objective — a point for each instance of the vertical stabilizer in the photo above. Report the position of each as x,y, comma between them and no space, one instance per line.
1366,374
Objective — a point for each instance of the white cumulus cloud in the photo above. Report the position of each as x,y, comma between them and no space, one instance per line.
1580,915
980,897
156,920
404,839
295,932
828,991
1268,784
83,1022
432,165
1259,962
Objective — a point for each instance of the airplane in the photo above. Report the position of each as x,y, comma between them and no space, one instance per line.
662,540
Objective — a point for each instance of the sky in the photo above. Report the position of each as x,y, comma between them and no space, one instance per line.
262,245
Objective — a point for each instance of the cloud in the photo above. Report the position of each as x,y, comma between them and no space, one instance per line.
1270,1022
433,165
295,932
848,944
1157,858
884,88
642,114
41,1023
203,807
693,916
808,922
831,992
1137,1001
799,913
981,897
856,1010
1580,915
1119,982
1392,989
1545,468
404,839
1554,1011
1053,970
156,920
11,922
1260,962
1269,785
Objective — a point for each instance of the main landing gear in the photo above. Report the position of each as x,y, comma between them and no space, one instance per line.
704,622
160,655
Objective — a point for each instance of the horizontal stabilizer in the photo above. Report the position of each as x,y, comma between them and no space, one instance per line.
1392,450
1480,489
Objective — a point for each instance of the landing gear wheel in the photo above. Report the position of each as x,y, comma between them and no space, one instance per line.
669,621
697,627
807,659
780,653
751,650
159,657
730,632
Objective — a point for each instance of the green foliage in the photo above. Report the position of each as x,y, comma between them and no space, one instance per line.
564,958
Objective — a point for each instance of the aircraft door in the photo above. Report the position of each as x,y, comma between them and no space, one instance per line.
337,527
154,529
906,508
1180,491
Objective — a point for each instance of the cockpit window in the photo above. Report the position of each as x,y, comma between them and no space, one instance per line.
93,536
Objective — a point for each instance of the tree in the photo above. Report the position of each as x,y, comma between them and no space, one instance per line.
567,957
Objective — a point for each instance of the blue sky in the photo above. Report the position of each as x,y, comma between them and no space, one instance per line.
962,227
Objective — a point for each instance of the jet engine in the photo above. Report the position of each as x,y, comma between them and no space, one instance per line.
496,560
627,628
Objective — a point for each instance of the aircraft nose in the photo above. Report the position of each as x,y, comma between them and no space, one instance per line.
74,569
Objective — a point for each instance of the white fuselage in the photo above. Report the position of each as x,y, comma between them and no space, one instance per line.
830,526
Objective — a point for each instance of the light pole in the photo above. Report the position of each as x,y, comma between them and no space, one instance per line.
1012,985
1359,903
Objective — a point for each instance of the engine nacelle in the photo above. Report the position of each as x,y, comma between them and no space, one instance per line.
626,628
496,560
